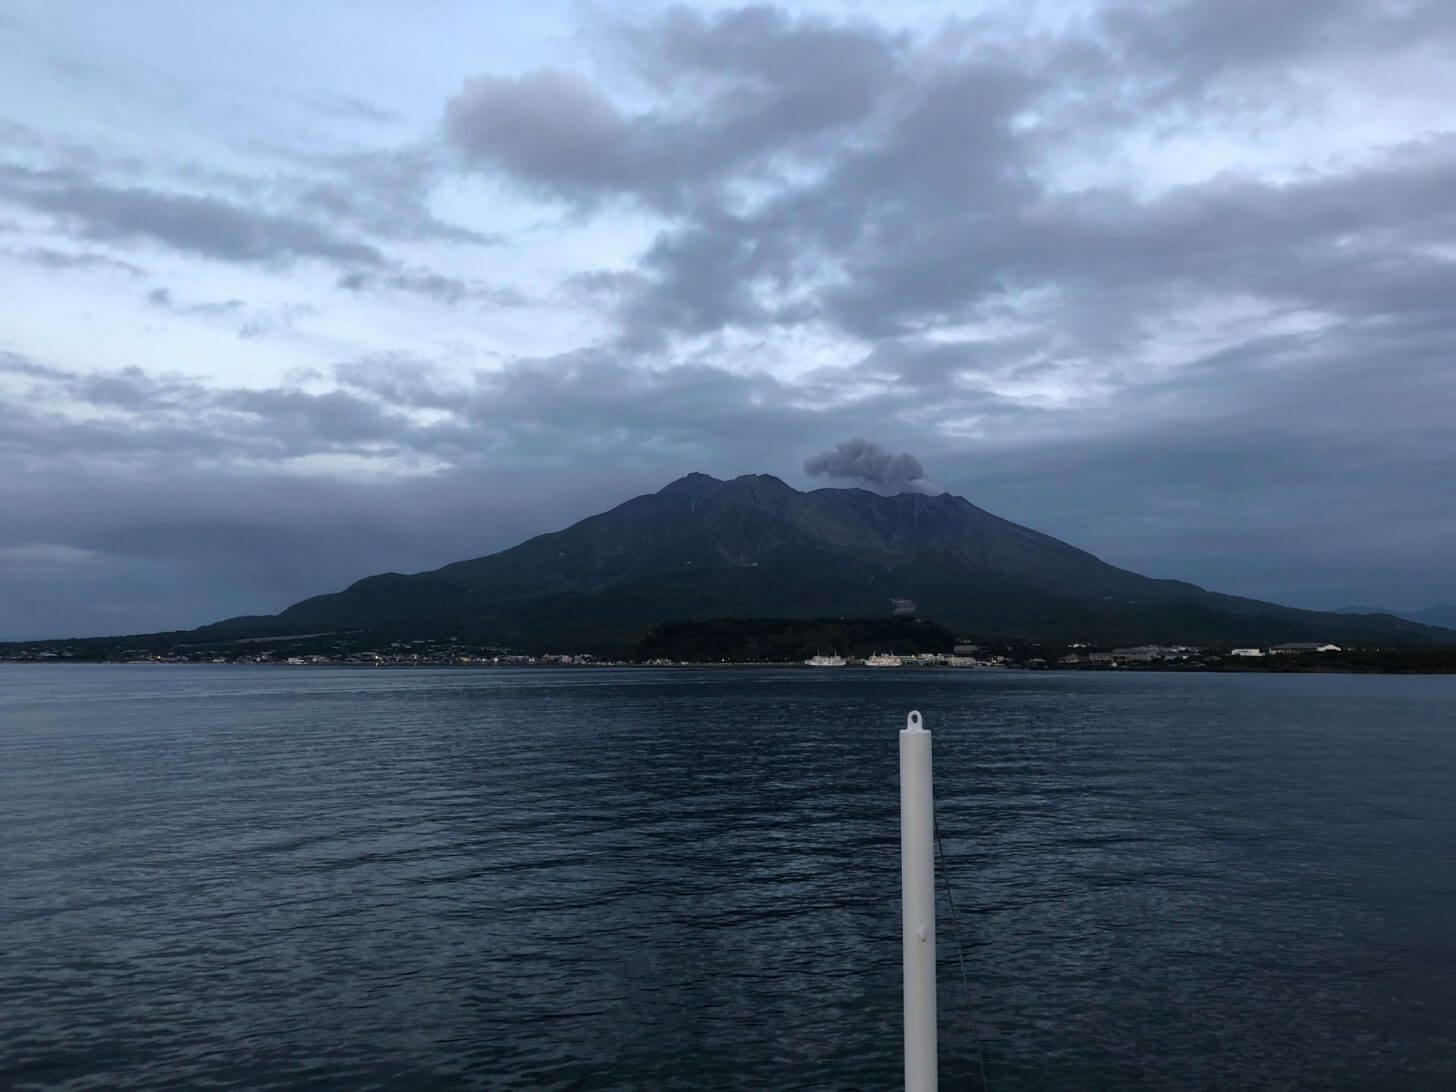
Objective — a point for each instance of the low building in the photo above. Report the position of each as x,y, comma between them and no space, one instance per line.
1143,654
1247,652
1303,646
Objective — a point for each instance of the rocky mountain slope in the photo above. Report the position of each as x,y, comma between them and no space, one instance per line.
755,547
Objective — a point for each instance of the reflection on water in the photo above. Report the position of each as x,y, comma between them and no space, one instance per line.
682,879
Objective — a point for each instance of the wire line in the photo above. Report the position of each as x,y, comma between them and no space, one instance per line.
960,954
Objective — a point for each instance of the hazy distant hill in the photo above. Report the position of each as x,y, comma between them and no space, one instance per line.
755,547
1442,614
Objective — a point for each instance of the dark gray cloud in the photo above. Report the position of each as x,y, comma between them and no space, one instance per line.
423,282
202,225
48,258
162,298
347,209
222,230
867,462
445,289
550,129
923,195
1184,47
771,92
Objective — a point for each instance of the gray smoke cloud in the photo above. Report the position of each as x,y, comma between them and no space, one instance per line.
864,461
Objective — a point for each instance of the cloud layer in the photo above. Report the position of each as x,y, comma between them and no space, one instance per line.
1171,281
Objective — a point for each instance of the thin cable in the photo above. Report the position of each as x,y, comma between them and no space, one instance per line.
960,955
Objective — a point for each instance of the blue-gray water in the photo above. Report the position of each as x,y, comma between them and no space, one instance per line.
684,879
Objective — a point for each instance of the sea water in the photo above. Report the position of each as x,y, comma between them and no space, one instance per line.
685,878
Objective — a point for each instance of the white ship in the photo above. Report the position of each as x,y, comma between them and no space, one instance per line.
825,661
883,659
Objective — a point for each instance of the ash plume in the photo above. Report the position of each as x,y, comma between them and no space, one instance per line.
869,463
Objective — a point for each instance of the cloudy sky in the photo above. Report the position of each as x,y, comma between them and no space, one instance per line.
297,293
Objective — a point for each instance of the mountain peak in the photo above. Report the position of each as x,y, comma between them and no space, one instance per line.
763,481
698,484
755,547
695,483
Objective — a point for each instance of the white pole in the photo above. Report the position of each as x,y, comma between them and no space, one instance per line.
917,895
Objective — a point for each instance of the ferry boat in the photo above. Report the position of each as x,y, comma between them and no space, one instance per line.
883,659
825,661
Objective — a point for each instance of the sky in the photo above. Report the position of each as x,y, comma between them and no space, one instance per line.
297,293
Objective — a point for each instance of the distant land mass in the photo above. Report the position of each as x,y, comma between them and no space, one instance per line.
1442,614
754,547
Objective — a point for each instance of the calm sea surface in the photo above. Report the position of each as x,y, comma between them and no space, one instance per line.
276,877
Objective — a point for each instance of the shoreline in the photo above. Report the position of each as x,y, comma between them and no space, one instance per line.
1218,668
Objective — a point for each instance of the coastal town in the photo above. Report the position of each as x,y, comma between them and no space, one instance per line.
317,651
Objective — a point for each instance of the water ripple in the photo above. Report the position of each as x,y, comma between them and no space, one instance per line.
689,879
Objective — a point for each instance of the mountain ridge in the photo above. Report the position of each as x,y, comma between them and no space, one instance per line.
1437,614
753,546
